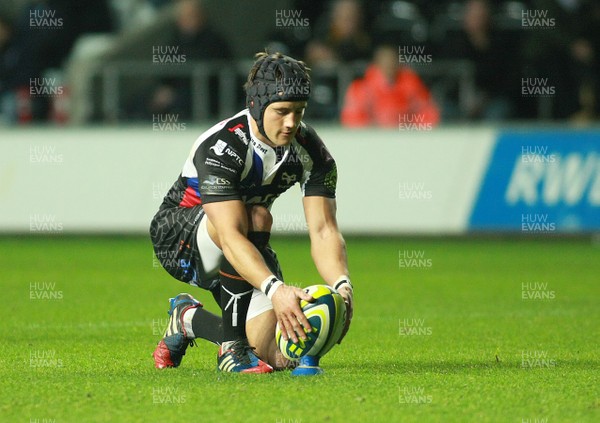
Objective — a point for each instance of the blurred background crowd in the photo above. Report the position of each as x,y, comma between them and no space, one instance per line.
373,62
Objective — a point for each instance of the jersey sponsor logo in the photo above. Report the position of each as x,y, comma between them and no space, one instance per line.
219,147
211,162
237,130
227,168
234,156
216,163
215,184
287,178
331,179
215,180
258,147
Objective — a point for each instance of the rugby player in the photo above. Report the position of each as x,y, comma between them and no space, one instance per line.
213,227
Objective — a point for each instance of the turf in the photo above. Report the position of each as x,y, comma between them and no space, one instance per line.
445,337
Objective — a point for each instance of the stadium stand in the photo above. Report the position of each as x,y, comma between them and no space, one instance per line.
105,62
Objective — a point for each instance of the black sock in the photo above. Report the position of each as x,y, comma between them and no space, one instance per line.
216,293
207,326
236,294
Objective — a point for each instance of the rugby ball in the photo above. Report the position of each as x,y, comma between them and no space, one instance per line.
327,317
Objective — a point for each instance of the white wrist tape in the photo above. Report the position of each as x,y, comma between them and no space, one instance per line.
270,285
343,281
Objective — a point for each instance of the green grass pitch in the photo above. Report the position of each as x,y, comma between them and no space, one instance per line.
465,330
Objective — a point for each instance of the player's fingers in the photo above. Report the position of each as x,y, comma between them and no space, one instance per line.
288,331
303,323
283,328
299,315
345,331
349,314
289,328
350,310
298,322
306,297
298,330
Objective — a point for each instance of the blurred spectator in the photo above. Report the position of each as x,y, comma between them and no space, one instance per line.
589,90
567,55
133,14
341,37
8,71
389,94
40,39
292,39
495,62
79,17
195,40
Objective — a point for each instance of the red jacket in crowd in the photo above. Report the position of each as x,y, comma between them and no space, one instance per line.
373,100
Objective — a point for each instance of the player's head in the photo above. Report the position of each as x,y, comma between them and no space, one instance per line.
276,78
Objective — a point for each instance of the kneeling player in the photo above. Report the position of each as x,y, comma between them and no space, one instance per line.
212,229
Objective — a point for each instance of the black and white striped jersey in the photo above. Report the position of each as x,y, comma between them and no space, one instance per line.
228,162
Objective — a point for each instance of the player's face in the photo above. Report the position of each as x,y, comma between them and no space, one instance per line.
281,121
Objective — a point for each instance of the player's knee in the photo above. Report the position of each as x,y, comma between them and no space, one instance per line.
259,219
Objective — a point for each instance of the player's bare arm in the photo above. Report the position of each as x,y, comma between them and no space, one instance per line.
228,227
328,248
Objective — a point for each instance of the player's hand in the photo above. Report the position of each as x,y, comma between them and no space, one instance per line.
348,296
291,319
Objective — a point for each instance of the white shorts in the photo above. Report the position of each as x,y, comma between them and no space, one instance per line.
212,255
